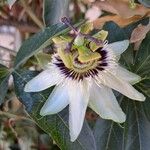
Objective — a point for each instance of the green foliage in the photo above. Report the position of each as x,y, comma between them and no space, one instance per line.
42,59
142,59
54,125
54,10
134,134
37,42
115,33
4,76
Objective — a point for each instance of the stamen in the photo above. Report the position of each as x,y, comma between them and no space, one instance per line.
66,57
78,58
86,55
66,21
80,70
95,40
102,35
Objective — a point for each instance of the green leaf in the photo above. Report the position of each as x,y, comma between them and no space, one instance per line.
115,33
127,58
142,62
43,59
54,10
4,76
146,3
143,58
134,134
139,63
54,125
38,42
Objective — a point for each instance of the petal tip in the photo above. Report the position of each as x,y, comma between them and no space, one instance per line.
43,112
47,110
142,97
126,42
27,88
122,119
72,137
137,79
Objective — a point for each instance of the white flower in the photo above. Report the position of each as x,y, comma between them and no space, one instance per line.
87,84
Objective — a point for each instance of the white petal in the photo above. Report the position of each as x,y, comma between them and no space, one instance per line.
119,47
56,102
121,86
43,81
126,75
104,103
78,97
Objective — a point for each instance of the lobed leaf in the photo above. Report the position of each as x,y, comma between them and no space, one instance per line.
134,134
54,125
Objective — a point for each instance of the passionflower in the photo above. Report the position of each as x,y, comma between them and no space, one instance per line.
85,76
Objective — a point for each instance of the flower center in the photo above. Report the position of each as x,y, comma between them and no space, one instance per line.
82,67
81,56
78,70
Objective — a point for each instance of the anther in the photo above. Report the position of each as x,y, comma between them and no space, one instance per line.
66,21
